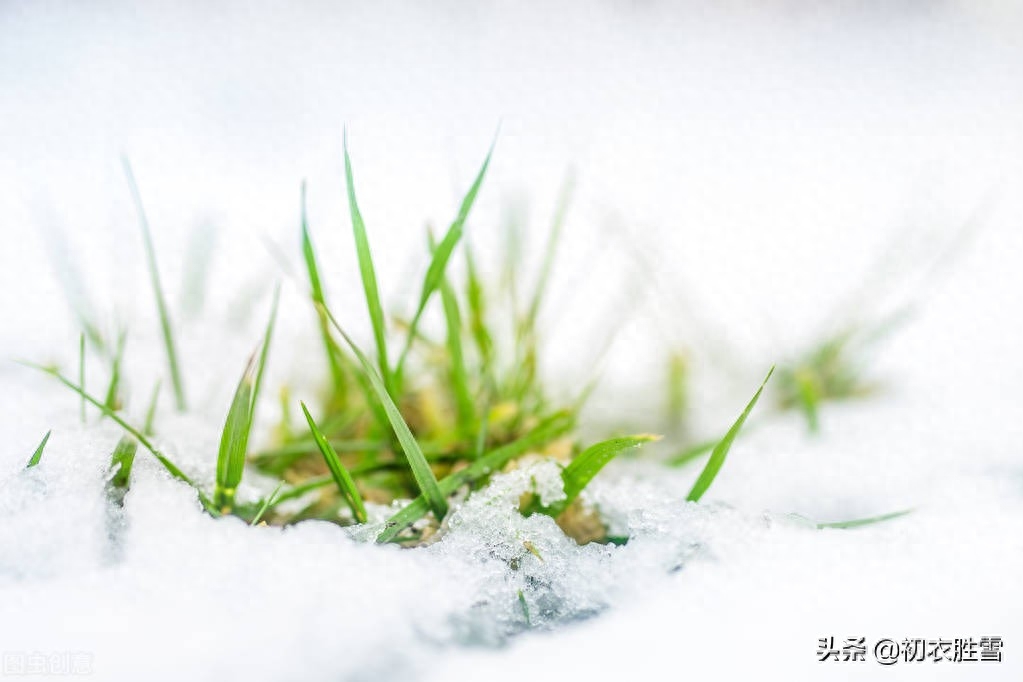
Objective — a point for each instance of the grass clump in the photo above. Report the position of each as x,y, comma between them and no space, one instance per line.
416,429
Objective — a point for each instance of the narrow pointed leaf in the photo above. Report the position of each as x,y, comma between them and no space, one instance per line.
343,479
368,274
81,369
458,374
587,464
442,255
38,454
856,523
316,291
717,456
161,303
267,503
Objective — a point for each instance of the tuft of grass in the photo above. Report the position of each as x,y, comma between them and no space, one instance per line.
717,456
471,404
833,370
341,476
38,454
425,478
161,303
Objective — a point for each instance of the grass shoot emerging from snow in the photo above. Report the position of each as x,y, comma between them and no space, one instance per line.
424,426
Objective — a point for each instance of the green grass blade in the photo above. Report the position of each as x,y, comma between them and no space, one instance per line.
459,376
121,462
368,274
234,440
587,464
147,426
267,503
442,255
263,355
525,609
421,470
343,479
856,523
161,303
81,369
112,401
316,291
477,305
717,456
546,431
38,454
691,453
553,239
171,468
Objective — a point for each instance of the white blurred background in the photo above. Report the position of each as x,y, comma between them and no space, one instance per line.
742,172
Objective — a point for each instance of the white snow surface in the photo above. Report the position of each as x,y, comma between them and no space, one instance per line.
748,179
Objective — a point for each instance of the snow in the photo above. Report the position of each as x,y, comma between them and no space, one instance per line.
746,169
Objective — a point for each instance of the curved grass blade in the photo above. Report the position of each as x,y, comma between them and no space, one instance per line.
458,374
421,470
587,464
171,468
147,426
717,456
477,306
267,503
442,255
264,353
161,303
368,274
81,369
316,291
691,453
113,388
343,479
856,523
550,250
38,454
549,429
